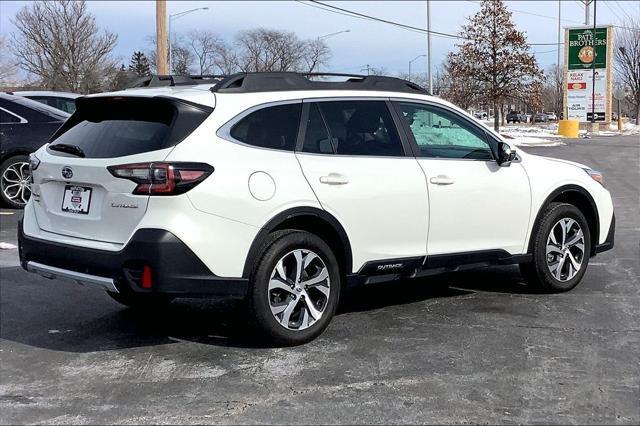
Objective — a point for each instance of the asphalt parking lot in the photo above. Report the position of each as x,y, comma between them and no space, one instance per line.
473,347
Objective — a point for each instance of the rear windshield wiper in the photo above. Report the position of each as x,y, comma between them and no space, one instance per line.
69,149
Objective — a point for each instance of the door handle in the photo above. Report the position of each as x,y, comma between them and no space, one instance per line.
441,180
334,179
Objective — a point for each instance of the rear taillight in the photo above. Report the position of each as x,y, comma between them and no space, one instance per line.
162,178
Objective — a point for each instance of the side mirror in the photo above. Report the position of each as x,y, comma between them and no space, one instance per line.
506,154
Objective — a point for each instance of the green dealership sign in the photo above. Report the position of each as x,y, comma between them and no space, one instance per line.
585,47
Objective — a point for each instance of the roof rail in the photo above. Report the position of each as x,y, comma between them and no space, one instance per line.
280,81
175,80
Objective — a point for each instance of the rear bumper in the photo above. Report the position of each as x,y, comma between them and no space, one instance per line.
175,269
608,243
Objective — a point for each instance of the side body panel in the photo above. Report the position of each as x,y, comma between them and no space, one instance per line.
382,205
486,206
547,175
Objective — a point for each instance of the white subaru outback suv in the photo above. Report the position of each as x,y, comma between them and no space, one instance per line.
284,190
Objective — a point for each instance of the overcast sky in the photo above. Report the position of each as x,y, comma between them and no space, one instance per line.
373,43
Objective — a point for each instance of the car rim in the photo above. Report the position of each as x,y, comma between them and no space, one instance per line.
16,183
299,289
565,249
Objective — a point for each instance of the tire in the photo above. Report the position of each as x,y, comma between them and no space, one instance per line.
284,310
549,270
15,185
141,301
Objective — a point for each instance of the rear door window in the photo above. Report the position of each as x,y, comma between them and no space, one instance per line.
63,104
353,128
118,127
274,127
317,139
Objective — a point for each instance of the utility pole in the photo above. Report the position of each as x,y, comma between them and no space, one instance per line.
559,66
429,47
593,71
161,37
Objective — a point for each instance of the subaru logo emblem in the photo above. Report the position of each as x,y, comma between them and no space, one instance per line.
67,173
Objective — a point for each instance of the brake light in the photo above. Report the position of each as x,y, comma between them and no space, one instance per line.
162,178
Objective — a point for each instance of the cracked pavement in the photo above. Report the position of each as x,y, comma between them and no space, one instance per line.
472,347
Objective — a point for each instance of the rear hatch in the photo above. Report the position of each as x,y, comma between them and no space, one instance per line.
75,192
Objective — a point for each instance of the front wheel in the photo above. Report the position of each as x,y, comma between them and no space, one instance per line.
294,288
560,249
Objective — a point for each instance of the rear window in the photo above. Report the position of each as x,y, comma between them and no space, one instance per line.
118,127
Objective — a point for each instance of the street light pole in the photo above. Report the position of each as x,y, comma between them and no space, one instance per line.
411,61
171,18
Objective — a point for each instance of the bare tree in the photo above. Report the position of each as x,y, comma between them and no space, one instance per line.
551,97
271,50
8,67
496,58
208,50
317,53
627,61
59,42
459,89
181,59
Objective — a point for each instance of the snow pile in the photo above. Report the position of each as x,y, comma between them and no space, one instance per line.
628,129
545,135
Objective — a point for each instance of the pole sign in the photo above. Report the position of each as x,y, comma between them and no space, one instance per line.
586,49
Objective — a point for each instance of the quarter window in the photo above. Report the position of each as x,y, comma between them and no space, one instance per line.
354,128
442,134
274,127
6,117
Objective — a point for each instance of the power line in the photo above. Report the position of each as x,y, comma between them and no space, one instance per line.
624,12
350,13
612,11
565,20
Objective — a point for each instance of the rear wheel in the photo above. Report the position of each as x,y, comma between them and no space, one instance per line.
15,181
560,249
295,288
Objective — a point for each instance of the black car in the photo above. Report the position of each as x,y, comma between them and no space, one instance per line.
25,125
516,117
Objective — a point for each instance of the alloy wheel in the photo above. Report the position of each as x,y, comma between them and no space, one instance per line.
565,249
16,183
299,289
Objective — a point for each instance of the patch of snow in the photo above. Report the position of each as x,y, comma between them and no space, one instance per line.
7,246
523,140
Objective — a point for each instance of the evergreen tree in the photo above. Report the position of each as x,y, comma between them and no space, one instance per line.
495,59
139,64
